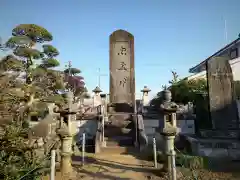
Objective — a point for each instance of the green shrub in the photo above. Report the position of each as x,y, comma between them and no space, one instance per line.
187,161
192,162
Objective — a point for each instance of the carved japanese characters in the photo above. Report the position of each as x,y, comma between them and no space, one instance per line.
122,80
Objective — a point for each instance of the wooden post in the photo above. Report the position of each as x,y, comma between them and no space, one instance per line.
53,156
83,148
173,165
155,152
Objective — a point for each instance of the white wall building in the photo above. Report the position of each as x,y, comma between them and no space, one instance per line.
231,50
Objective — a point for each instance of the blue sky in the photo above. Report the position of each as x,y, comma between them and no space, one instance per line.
169,34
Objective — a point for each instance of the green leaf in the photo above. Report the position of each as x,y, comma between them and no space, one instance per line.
72,71
16,41
58,99
28,52
11,63
50,63
50,51
34,32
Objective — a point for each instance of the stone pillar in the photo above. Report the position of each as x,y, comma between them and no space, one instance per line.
169,132
96,97
66,155
169,146
145,97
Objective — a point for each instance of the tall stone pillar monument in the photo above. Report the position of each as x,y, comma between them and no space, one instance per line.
122,73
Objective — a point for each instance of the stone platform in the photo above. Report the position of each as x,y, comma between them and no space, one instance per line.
223,134
216,143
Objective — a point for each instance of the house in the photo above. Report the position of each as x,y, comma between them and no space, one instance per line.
232,50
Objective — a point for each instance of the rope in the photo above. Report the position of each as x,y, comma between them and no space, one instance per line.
45,158
193,172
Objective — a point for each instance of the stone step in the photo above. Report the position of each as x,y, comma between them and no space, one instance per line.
113,150
115,131
118,150
118,123
119,141
223,134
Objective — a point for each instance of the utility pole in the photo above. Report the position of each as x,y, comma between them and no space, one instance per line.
69,72
99,77
225,30
69,68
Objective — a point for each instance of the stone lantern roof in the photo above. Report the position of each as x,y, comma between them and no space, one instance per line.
103,95
97,90
145,89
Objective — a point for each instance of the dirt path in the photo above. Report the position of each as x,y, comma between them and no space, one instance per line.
111,167
116,167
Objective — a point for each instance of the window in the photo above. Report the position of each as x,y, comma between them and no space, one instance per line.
234,53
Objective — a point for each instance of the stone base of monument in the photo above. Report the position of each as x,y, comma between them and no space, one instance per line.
216,145
120,133
223,134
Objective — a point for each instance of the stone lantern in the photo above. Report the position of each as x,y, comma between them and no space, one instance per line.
145,98
65,133
97,98
169,129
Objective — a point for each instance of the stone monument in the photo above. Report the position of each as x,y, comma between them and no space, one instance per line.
222,102
122,72
121,106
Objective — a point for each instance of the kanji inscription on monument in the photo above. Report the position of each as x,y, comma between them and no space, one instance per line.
122,81
123,51
121,71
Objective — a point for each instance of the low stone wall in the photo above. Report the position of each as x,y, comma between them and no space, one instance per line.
186,126
151,125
